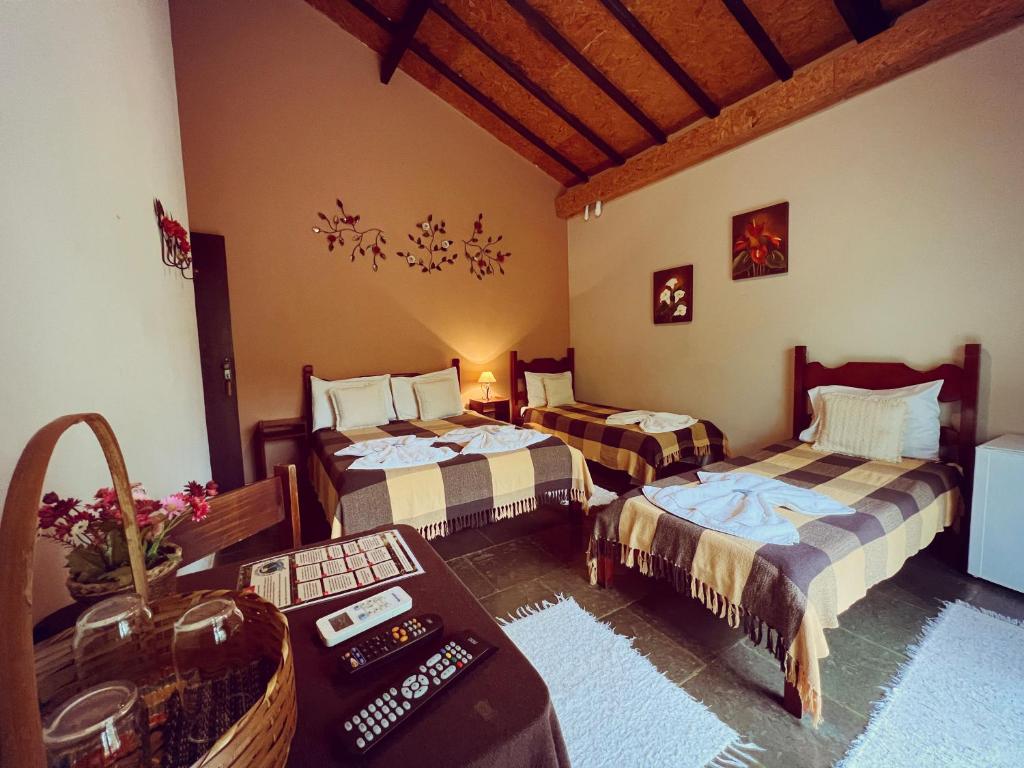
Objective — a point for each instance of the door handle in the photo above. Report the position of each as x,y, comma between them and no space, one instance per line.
228,367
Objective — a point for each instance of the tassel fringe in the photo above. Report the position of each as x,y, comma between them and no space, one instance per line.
736,615
504,512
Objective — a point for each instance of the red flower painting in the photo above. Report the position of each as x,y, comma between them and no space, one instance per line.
761,242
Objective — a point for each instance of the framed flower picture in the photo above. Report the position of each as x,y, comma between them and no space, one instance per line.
673,295
760,242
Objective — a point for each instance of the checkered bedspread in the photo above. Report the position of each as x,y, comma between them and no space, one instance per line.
786,596
627,447
438,499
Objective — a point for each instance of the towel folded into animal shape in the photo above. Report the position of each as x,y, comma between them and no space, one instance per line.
743,504
492,438
652,421
396,452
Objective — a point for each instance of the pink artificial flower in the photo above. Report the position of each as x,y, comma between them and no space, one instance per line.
174,505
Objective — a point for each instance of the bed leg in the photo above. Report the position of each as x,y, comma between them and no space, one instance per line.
605,570
791,700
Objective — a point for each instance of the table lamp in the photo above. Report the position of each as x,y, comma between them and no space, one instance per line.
486,379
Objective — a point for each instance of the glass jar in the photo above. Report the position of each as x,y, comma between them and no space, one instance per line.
210,663
101,727
111,638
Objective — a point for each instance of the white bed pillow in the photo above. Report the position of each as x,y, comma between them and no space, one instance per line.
360,404
535,395
558,391
403,397
867,427
323,411
437,398
921,430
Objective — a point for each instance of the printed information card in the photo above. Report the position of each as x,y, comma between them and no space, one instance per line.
324,572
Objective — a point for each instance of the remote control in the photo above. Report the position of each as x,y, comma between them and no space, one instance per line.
384,645
400,701
364,615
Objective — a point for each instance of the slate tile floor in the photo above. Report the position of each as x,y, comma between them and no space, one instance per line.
534,557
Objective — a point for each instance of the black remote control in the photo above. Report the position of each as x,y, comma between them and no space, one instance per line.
403,698
388,642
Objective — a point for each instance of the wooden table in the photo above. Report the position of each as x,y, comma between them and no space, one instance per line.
496,408
498,715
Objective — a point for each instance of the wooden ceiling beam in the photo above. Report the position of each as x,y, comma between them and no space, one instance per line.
864,18
485,101
641,34
529,85
759,38
421,50
403,37
919,37
546,30
373,14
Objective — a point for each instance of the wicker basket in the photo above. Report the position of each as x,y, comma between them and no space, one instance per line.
38,678
161,579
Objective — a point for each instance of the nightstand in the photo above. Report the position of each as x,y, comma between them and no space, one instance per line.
496,408
271,431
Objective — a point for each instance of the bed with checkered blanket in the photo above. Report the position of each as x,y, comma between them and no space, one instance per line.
438,499
787,595
627,447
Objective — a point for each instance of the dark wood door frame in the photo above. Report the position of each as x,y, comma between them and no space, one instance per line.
217,359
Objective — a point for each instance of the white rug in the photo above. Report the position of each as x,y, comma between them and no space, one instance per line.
601,497
958,701
614,707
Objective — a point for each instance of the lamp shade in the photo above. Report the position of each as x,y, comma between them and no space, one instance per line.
486,378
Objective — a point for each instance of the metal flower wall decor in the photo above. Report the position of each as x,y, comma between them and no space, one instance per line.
342,225
431,250
175,249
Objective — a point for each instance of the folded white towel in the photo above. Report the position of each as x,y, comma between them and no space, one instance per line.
652,421
743,504
396,452
492,438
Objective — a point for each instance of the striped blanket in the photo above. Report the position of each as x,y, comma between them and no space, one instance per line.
787,595
438,499
627,447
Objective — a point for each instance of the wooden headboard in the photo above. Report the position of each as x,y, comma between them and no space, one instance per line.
307,390
517,369
960,384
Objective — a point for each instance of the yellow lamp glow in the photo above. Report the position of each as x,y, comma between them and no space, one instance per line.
486,379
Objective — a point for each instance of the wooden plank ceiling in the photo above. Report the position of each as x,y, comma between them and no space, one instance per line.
581,86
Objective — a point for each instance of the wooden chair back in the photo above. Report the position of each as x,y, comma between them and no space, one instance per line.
238,514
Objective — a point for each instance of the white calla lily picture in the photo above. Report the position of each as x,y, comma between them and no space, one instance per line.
673,295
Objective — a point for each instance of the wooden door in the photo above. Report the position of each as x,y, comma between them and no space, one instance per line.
217,358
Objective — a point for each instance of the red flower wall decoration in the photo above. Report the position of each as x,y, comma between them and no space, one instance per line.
175,249
761,242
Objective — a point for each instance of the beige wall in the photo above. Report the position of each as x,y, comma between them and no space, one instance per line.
92,320
905,214
281,112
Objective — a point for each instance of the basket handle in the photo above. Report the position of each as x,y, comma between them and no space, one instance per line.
21,728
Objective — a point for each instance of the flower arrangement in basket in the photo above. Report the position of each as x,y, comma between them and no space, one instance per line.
93,533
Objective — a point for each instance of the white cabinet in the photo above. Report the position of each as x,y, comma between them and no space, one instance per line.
997,514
